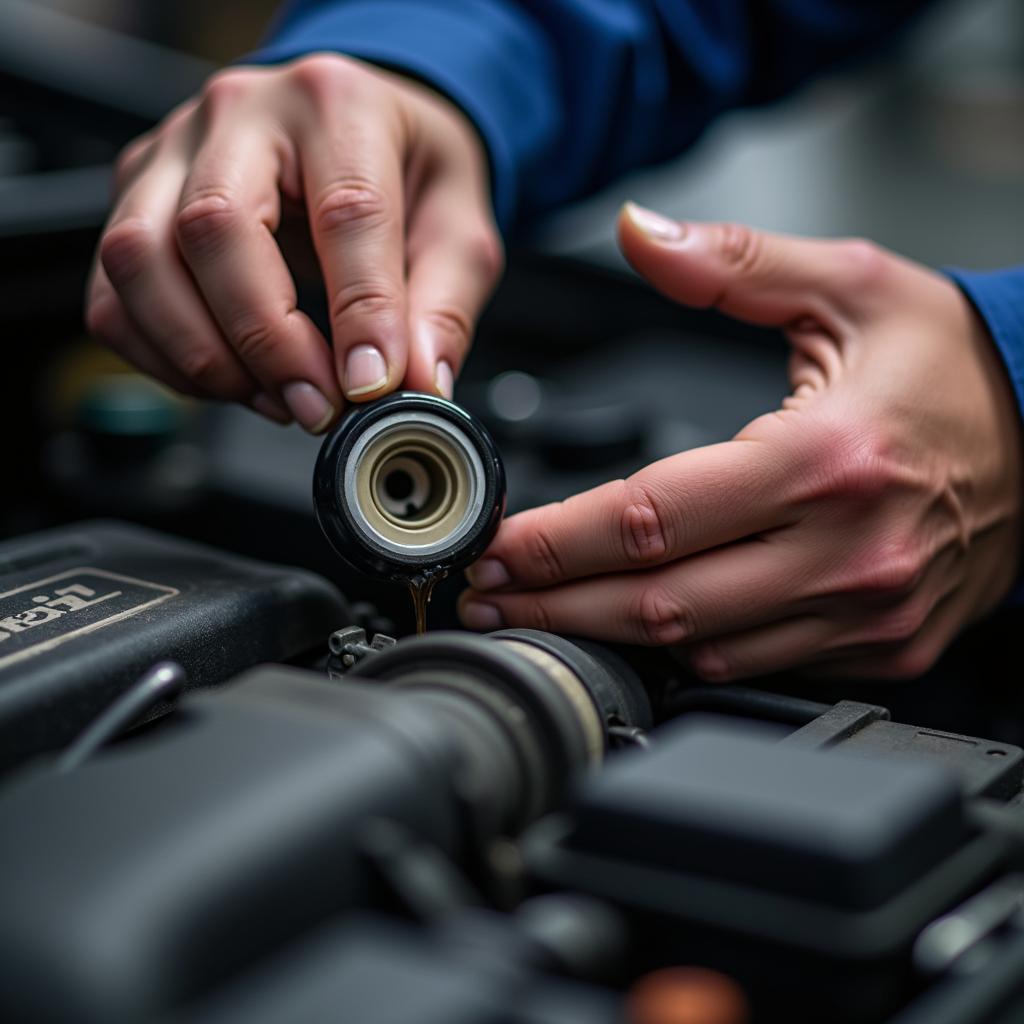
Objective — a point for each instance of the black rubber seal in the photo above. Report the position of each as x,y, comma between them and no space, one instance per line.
553,719
613,686
360,550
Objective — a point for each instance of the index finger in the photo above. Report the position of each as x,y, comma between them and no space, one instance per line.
675,507
228,210
352,169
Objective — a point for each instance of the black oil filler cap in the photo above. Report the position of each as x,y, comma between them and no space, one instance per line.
409,485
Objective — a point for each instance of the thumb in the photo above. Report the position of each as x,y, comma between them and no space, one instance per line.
752,275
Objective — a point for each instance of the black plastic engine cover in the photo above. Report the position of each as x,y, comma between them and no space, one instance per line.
169,860
717,799
85,610
789,869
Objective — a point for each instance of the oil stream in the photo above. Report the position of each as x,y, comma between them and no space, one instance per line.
421,588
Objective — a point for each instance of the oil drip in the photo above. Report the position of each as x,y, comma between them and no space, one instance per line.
421,589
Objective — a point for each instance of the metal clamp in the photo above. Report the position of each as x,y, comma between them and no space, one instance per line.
349,645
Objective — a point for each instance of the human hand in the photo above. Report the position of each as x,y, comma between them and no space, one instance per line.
856,529
191,287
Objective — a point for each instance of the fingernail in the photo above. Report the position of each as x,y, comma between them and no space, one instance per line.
654,225
444,379
308,406
270,408
488,574
365,371
481,617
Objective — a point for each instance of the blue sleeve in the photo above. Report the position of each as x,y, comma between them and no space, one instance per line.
998,296
569,94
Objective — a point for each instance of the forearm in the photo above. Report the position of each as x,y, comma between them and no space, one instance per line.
569,94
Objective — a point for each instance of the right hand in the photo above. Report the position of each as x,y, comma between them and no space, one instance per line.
853,531
189,283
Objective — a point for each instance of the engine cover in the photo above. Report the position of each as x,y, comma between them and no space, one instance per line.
86,609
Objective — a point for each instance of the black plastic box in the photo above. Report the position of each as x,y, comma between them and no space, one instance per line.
805,874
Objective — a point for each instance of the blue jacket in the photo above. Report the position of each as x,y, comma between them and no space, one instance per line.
569,94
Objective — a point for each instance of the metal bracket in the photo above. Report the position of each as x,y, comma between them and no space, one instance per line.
348,646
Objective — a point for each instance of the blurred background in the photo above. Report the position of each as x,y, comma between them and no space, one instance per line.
581,372
923,151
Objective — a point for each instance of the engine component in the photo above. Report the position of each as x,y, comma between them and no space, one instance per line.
781,866
160,865
718,802
85,610
407,486
556,702
528,722
594,698
984,767
256,811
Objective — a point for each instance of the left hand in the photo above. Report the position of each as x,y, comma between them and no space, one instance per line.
857,528
190,282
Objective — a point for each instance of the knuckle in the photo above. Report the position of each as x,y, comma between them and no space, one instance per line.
543,553
486,255
206,219
326,77
100,318
225,88
364,302
849,460
201,365
865,261
711,664
348,206
452,323
254,340
893,569
659,619
740,246
127,249
643,531
537,615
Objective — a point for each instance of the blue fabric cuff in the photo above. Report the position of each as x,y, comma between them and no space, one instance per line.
998,296
489,62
